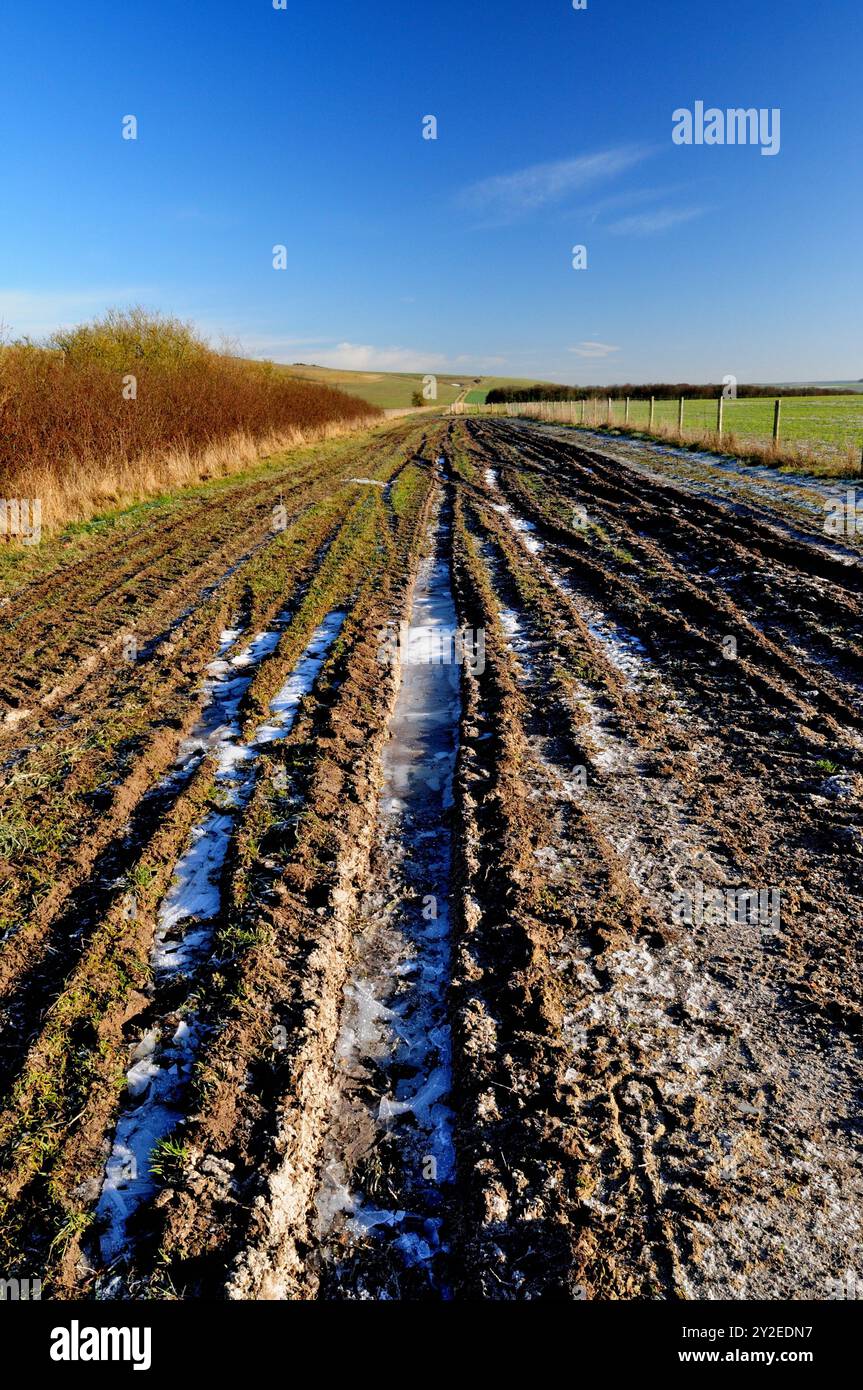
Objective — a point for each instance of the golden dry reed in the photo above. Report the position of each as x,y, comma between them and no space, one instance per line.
135,404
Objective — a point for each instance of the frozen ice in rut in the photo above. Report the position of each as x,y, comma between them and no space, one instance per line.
395,1041
162,1061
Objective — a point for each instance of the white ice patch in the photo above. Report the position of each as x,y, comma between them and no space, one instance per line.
625,651
128,1179
161,1070
395,1026
370,1019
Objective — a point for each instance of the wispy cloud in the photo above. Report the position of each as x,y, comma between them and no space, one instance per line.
631,197
590,349
262,344
36,313
364,357
505,197
659,220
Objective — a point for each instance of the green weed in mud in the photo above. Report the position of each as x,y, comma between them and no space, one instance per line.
408,486
16,836
463,465
29,837
625,556
72,1228
36,834
72,1057
75,1061
168,1161
332,587
142,875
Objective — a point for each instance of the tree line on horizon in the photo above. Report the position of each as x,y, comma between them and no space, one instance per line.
661,391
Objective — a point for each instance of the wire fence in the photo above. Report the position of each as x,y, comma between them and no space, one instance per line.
827,426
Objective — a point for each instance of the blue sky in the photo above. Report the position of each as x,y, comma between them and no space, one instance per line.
303,127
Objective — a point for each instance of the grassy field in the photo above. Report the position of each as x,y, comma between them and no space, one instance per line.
831,421
391,390
388,390
824,433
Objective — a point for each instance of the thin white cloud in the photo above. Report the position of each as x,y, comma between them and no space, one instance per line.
590,349
37,313
364,357
648,223
632,197
506,196
347,356
262,344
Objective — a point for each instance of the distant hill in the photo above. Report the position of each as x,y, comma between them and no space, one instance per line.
391,390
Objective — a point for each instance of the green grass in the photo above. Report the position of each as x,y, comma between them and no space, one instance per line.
21,564
168,1160
393,390
826,424
818,434
389,390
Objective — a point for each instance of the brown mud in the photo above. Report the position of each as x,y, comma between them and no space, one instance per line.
640,1039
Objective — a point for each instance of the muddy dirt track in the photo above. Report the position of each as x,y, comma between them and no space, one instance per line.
431,867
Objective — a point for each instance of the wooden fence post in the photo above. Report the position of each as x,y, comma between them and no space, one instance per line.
583,404
719,416
777,415
626,412
680,417
650,417
608,420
